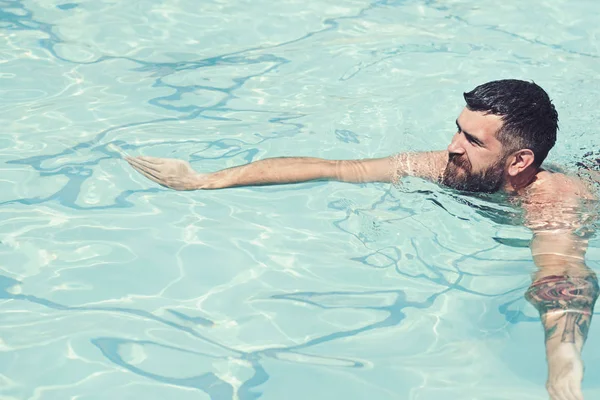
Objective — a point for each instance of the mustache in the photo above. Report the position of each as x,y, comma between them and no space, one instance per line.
459,160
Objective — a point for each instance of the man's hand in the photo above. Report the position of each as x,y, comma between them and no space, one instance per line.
565,372
168,172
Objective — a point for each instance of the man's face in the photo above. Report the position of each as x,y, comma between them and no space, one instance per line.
476,161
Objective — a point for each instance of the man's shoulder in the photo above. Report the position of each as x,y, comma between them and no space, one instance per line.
559,185
557,201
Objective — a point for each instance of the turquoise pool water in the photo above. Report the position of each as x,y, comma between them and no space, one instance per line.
114,288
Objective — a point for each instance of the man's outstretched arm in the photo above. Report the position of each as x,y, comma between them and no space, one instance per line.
179,175
564,289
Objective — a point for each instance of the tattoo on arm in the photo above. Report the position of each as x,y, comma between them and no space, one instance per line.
570,302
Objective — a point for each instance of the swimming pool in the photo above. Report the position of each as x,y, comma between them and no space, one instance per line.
114,288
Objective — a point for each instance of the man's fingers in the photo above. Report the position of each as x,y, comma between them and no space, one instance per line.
557,392
138,162
565,391
147,173
575,391
151,160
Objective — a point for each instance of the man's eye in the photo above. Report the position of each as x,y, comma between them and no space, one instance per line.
473,141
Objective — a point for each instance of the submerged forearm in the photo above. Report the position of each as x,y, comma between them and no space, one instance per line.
283,170
566,304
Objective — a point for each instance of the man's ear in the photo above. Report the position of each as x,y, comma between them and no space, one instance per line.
519,161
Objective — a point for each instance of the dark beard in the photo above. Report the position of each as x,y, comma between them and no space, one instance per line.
458,175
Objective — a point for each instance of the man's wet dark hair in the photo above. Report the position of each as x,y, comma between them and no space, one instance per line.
530,119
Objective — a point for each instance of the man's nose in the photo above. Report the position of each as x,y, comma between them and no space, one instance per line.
456,147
